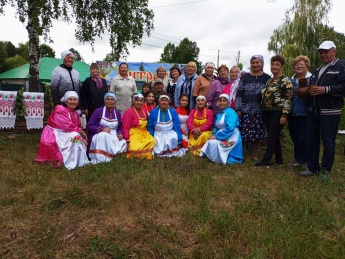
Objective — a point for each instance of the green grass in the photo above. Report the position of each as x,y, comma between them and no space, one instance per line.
183,207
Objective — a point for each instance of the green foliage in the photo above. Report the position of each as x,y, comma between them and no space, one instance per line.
19,108
112,57
77,55
12,57
338,38
46,51
341,125
125,22
301,32
23,50
240,65
48,96
169,54
10,49
14,62
185,52
3,56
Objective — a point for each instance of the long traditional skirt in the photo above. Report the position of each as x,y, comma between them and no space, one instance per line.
58,146
105,146
223,152
141,143
195,145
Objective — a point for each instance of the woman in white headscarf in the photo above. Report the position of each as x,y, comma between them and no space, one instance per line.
64,78
200,121
63,142
164,126
225,144
231,89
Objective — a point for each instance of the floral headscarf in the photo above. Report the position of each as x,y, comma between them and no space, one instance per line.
137,96
261,59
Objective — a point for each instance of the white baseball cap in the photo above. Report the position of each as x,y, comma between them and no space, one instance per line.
327,45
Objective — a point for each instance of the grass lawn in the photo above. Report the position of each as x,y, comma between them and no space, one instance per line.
167,208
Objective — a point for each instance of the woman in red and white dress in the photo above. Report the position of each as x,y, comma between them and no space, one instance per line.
149,104
183,112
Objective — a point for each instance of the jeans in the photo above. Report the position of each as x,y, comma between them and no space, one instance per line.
272,124
298,133
324,126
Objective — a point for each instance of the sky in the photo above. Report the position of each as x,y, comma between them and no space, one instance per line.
225,25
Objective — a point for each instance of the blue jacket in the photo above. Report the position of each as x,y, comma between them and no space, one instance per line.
152,121
179,83
333,79
299,107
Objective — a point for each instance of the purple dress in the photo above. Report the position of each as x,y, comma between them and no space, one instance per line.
100,119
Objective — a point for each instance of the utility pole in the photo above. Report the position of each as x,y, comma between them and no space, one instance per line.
238,57
218,60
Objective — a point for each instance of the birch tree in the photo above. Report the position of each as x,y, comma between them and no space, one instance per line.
301,32
125,21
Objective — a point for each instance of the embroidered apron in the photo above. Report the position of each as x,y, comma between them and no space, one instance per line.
196,144
166,139
218,150
141,142
104,145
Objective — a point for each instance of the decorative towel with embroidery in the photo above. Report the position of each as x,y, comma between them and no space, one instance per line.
34,109
7,115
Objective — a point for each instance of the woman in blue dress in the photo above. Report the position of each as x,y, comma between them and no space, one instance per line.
225,144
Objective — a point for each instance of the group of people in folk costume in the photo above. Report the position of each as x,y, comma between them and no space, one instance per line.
209,116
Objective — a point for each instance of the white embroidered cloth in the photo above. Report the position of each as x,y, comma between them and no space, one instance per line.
34,109
7,115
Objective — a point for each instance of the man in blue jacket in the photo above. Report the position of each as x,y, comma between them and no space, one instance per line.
327,91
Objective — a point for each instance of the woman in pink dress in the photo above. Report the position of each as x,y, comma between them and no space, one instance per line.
63,142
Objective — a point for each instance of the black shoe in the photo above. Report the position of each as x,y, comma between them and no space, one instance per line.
261,164
307,173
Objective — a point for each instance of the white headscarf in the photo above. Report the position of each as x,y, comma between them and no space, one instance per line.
201,97
69,94
210,64
226,96
234,85
65,53
163,96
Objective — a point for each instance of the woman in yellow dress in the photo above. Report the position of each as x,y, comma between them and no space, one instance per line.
134,126
200,121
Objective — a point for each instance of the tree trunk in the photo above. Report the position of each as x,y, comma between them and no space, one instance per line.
33,50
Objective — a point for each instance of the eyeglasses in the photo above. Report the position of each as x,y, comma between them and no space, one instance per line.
299,65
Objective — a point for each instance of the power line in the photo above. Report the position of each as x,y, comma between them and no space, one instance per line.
152,45
163,39
180,4
166,36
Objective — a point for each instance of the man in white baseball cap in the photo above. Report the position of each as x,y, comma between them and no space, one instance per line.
327,45
327,92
